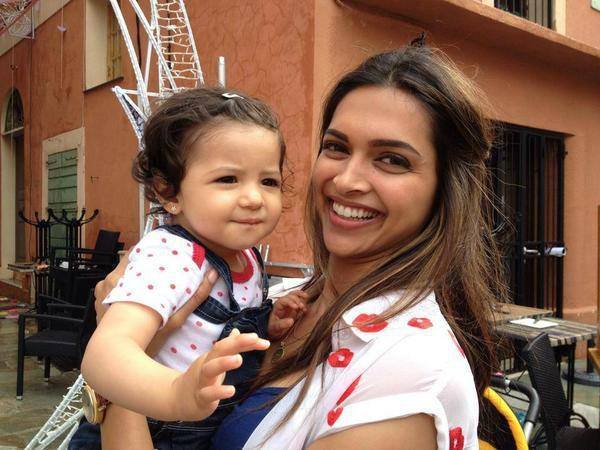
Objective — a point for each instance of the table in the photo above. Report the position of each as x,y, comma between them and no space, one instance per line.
505,312
563,337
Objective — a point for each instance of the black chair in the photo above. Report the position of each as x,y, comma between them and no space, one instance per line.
64,270
63,332
556,415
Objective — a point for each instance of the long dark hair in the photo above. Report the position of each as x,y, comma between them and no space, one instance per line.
455,253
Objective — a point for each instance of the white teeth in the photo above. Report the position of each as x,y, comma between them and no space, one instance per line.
352,213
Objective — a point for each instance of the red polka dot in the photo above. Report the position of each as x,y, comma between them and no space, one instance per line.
173,350
220,294
172,286
150,286
256,295
174,308
186,269
175,252
193,346
457,440
188,244
128,294
121,284
188,290
137,250
245,288
161,268
214,342
150,254
244,298
162,306
138,274
198,323
164,240
333,415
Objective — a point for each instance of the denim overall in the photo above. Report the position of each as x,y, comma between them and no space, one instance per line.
197,435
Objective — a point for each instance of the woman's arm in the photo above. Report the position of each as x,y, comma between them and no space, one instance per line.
122,429
413,432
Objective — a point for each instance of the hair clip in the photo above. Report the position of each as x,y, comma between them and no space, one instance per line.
230,95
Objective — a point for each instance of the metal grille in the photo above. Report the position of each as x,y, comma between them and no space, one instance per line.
538,11
528,180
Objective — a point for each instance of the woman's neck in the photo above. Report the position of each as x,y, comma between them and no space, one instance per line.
343,273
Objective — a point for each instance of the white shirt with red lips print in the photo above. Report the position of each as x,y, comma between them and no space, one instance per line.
409,364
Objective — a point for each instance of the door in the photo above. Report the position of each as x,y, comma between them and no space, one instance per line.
528,179
62,191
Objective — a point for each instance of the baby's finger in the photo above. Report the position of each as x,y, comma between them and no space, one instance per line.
214,393
279,327
218,366
237,343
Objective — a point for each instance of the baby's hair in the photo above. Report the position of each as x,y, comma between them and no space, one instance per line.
181,120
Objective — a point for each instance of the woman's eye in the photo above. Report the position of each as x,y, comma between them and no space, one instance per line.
333,147
228,179
394,160
271,182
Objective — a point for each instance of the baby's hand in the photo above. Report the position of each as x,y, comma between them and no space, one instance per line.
198,391
286,310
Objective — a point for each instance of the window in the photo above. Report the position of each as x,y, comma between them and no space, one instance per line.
102,44
14,114
538,11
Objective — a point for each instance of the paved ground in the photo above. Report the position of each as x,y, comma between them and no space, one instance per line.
20,420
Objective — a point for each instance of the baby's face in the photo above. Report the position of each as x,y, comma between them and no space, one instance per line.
230,197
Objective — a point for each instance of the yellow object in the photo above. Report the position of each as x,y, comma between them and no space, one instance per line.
500,410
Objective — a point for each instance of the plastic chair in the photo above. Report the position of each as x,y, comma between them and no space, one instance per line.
63,332
556,415
499,428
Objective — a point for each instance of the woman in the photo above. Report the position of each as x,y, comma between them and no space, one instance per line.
394,348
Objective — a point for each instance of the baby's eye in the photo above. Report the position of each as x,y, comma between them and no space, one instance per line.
228,179
394,160
271,182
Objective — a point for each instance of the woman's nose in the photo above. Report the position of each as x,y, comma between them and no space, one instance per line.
352,177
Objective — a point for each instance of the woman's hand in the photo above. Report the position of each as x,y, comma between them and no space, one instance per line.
197,392
286,311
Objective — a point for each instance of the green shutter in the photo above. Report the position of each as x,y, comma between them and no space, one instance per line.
62,190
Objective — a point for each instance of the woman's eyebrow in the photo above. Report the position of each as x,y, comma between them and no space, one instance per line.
337,134
393,143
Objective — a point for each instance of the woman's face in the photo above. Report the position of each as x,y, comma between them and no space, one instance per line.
375,178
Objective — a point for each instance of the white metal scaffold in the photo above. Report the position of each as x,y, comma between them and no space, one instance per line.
171,41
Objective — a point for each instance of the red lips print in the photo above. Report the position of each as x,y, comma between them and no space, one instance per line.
333,415
348,391
420,322
340,358
360,323
457,440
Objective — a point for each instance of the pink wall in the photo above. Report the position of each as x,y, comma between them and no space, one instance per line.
583,22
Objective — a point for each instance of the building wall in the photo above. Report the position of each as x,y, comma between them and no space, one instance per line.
583,22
